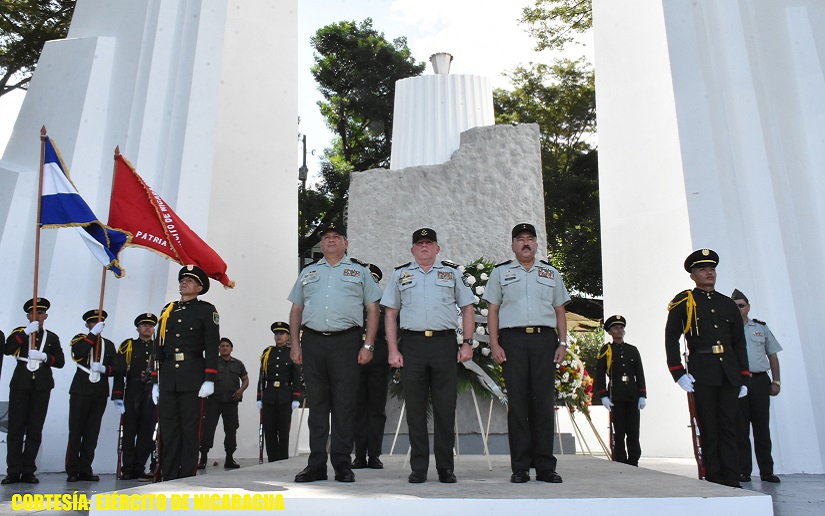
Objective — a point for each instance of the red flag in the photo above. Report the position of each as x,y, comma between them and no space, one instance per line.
137,209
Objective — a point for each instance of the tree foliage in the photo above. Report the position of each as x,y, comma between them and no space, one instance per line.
25,26
554,22
561,99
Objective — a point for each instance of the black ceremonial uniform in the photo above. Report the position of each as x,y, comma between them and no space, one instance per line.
87,402
279,384
29,394
718,361
626,386
187,357
134,387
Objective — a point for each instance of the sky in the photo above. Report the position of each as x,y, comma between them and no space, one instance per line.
483,36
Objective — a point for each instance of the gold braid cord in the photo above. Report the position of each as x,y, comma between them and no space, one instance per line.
690,309
608,352
126,349
163,318
265,359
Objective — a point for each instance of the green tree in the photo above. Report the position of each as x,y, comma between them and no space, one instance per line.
25,26
561,99
554,22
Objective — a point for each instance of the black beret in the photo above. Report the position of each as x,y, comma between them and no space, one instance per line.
421,234
332,226
279,326
91,315
520,228
196,272
376,272
146,318
614,320
701,258
43,304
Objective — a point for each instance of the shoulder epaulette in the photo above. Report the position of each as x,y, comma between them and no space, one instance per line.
359,262
758,321
403,265
545,262
206,303
125,346
504,263
77,338
313,262
17,330
680,298
448,263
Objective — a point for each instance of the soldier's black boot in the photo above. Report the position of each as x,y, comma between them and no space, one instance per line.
202,462
230,463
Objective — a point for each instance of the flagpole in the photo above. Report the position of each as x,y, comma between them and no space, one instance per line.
33,336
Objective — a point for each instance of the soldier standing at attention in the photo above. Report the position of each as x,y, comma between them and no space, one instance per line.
425,294
231,383
187,358
29,390
136,365
717,364
328,302
625,394
96,360
279,389
527,325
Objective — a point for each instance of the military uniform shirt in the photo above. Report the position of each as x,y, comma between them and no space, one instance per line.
761,343
281,370
526,297
17,345
427,300
228,380
189,354
333,296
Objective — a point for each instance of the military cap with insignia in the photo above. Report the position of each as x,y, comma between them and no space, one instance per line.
332,226
737,294
193,271
701,258
91,315
376,272
279,326
146,318
613,320
520,228
421,234
43,304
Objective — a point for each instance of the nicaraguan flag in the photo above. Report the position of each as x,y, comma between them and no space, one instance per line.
62,206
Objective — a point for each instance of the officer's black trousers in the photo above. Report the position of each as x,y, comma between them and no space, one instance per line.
331,375
530,376
180,417
277,418
430,372
755,409
85,414
27,413
370,410
228,411
716,408
138,426
626,428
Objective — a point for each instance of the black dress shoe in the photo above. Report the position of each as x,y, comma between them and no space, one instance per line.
344,474
29,478
359,463
744,478
72,477
375,463
89,477
549,476
143,476
519,477
10,479
446,476
230,463
310,475
770,478
127,476
418,477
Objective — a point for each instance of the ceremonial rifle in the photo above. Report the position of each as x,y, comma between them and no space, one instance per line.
695,428
119,448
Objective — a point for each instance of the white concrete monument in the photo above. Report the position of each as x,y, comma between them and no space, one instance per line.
711,120
202,98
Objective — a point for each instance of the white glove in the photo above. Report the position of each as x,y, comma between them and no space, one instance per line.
686,382
743,391
97,328
207,389
36,354
120,406
295,404
260,405
97,367
607,403
155,393
642,403
31,327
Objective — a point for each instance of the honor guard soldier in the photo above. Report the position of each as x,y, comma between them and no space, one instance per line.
187,359
29,390
328,301
717,363
96,360
279,389
370,408
528,327
625,394
425,295
231,382
134,388
754,409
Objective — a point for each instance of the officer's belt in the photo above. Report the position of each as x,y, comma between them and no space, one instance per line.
331,333
277,383
530,329
180,356
429,333
717,349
